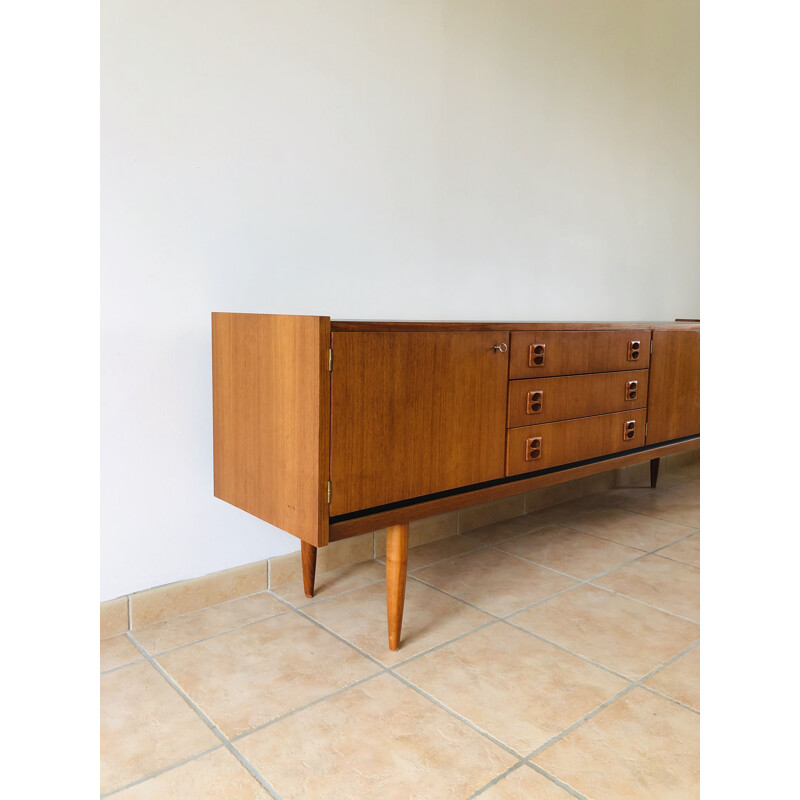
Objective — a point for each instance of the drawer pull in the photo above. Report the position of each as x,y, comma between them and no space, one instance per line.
633,350
631,390
629,431
535,401
536,355
533,448
500,348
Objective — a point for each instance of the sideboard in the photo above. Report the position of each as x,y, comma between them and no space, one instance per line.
329,429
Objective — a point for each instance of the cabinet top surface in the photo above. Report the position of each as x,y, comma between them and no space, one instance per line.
398,325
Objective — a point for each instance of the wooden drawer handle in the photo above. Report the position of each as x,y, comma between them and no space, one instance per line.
536,355
533,448
535,401
629,430
634,348
631,390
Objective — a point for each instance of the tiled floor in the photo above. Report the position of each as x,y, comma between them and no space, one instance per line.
552,656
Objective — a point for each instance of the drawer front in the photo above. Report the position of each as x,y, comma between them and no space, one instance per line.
540,400
542,353
536,447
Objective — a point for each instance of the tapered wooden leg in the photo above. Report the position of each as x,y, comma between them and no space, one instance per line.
654,465
396,566
309,554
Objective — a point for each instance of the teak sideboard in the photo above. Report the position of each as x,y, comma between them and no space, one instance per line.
329,429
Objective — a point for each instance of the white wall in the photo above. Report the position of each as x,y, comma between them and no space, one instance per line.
424,159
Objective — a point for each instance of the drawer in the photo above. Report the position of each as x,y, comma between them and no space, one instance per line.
539,400
541,353
537,447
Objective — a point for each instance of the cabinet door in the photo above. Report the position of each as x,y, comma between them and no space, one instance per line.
415,413
673,405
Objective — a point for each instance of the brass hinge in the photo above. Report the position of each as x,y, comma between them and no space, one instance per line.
645,436
651,346
329,492
330,359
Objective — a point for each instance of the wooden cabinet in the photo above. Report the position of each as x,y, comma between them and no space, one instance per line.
331,429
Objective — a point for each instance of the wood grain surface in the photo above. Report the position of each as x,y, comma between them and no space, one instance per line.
575,352
344,528
415,413
574,396
574,440
674,406
271,390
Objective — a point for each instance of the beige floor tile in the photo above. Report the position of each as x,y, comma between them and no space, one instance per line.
250,676
329,584
145,726
496,582
641,746
622,634
197,625
215,776
439,550
429,618
625,527
117,651
113,617
687,551
677,504
661,582
381,740
525,783
514,686
680,679
505,529
570,551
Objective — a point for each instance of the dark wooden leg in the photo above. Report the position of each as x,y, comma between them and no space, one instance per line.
309,554
654,465
396,566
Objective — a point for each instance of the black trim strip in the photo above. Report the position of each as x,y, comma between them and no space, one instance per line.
365,512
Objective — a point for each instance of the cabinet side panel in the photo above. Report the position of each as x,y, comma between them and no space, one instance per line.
272,419
673,405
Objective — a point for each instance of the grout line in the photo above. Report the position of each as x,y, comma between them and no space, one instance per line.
649,605
228,743
455,714
171,681
496,779
608,702
159,653
209,722
335,635
306,706
234,751
585,718
151,775
318,601
444,644
671,699
557,781
197,610
567,650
